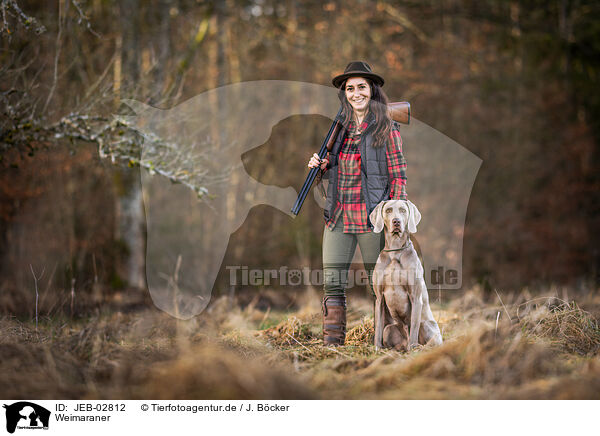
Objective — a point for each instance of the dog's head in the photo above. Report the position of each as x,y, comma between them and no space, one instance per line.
397,216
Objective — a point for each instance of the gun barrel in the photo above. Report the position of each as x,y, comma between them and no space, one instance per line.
312,174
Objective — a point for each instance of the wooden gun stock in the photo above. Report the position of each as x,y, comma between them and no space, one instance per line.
399,112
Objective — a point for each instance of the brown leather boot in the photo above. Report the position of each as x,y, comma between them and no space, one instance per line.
334,320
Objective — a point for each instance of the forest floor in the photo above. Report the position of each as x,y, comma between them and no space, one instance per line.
522,346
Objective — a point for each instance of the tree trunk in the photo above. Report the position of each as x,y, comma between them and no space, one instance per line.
130,226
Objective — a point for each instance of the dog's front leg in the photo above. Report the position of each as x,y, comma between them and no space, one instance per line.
379,320
379,314
415,294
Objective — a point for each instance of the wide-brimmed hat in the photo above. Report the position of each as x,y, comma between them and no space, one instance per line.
357,69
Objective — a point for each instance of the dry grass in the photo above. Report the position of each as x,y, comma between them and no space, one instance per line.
566,326
547,349
290,331
486,357
363,333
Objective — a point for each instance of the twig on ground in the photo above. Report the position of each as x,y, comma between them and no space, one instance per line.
300,343
538,298
339,352
72,295
48,285
501,302
37,295
496,330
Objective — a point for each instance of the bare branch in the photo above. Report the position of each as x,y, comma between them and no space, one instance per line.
84,18
10,7
121,141
56,55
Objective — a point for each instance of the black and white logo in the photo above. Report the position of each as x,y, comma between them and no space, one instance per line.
26,415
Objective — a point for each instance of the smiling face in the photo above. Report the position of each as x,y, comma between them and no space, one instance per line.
358,93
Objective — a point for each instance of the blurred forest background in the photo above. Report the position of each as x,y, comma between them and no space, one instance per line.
514,82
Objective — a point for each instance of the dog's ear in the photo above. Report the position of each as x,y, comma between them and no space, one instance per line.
376,218
414,217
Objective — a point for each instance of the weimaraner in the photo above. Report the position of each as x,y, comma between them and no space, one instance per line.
401,295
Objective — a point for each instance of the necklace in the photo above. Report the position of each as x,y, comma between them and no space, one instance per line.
358,124
359,121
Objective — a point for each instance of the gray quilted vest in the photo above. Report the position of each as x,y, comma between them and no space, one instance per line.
375,184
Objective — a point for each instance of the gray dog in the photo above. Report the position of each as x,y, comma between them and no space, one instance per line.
403,317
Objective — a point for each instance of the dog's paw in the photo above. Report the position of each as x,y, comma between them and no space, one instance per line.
412,347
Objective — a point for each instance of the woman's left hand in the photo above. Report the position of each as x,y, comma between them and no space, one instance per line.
315,161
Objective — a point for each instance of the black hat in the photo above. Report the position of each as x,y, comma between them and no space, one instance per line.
357,69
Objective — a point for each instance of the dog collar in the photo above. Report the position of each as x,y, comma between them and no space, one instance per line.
408,244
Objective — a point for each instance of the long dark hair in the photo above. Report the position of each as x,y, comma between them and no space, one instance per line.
378,105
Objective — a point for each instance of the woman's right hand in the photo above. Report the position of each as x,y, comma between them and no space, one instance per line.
314,162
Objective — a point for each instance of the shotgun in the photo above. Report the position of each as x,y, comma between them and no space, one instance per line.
399,111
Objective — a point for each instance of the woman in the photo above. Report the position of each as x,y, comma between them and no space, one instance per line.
365,166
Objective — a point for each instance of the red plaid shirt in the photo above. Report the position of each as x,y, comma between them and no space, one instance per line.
350,202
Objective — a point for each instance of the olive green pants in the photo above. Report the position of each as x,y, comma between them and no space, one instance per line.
338,251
